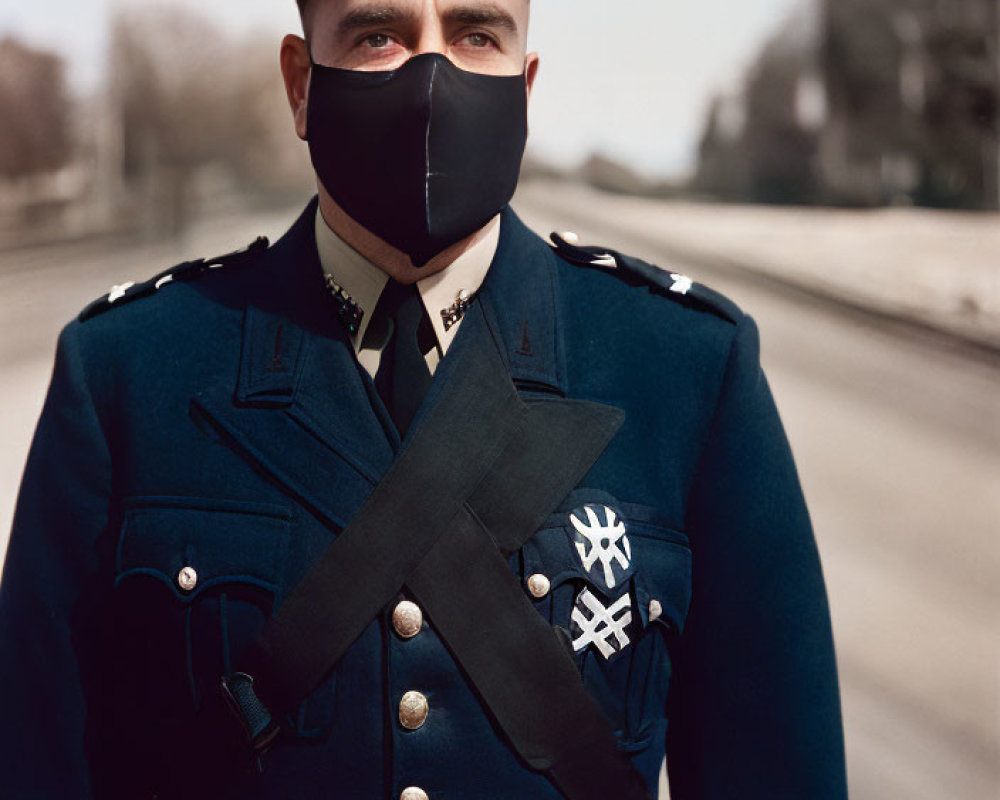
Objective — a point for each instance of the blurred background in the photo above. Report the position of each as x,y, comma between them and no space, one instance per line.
831,165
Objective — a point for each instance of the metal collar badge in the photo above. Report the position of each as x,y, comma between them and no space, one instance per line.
348,310
453,313
351,314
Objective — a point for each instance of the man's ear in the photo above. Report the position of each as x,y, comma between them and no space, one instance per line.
295,69
530,70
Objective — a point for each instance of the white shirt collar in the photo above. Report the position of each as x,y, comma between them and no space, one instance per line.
364,281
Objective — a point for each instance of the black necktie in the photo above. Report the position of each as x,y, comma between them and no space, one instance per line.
403,376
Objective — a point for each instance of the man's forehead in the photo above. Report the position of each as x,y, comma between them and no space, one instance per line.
516,10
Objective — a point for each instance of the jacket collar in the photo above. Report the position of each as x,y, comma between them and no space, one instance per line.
362,282
519,298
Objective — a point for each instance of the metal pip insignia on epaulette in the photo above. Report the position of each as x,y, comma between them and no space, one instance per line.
189,270
681,283
118,292
567,244
348,310
453,313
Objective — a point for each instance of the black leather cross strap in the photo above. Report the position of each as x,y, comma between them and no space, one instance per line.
364,568
476,480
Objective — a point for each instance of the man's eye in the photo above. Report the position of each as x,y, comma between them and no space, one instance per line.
478,40
377,40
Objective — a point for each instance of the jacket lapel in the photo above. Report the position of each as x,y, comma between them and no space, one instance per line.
302,409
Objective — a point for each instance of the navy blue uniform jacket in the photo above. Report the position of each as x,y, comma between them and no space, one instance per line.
109,669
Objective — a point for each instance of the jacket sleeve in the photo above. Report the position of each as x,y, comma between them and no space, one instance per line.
754,706
48,594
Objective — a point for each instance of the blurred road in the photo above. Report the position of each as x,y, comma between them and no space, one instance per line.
897,437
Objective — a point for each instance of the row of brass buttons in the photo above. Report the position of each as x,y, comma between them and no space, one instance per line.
407,620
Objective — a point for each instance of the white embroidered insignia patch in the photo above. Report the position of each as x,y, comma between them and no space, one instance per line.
600,625
602,542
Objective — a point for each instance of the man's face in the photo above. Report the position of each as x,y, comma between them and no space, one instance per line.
481,36
488,36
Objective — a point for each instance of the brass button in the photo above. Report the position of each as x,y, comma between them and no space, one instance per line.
413,710
413,793
538,585
407,619
187,579
655,610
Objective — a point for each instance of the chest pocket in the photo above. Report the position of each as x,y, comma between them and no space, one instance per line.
196,579
617,579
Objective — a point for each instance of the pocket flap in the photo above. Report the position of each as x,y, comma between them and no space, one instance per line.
191,544
663,579
651,557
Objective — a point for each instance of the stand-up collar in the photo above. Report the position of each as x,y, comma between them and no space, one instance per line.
519,299
364,281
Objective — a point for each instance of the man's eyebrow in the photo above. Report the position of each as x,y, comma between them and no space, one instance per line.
373,16
486,14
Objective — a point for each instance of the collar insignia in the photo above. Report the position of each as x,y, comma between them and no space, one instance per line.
348,310
456,310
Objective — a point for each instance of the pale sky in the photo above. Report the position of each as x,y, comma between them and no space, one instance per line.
630,78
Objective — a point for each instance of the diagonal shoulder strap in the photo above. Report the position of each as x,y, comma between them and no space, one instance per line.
474,483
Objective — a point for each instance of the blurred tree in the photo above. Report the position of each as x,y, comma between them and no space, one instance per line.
913,89
867,102
196,105
35,110
777,145
960,113
762,147
722,170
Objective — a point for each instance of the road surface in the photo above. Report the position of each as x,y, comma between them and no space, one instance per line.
897,438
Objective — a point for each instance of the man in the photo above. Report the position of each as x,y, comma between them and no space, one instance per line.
412,504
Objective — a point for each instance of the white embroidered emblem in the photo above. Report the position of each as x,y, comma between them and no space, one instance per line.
600,625
606,543
682,283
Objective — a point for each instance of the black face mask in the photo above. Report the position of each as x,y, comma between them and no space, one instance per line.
421,156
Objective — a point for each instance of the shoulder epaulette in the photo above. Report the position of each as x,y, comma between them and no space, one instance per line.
186,271
668,283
